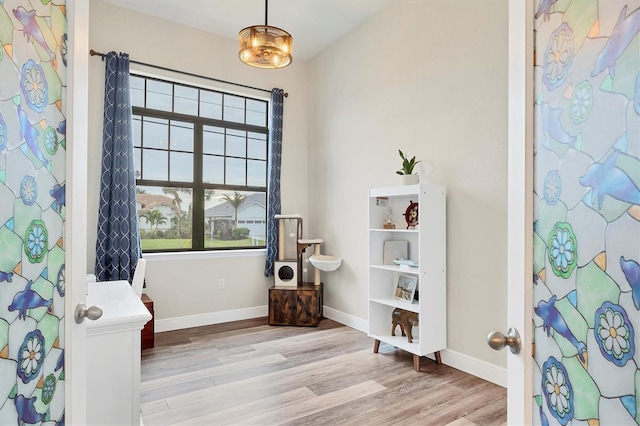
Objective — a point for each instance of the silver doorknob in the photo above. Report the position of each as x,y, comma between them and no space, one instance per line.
498,340
92,312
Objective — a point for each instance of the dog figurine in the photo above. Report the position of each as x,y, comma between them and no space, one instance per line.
406,320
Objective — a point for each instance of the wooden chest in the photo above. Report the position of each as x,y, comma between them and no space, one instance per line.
148,331
301,305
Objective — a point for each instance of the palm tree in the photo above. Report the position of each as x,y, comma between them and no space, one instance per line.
236,201
155,218
182,222
177,201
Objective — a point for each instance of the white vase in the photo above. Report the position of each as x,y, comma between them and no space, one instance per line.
410,179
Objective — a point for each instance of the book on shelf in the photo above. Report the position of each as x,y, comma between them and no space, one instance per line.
394,250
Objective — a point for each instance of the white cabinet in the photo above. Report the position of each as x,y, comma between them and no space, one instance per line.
426,247
113,350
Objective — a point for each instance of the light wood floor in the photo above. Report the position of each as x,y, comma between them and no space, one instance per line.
249,373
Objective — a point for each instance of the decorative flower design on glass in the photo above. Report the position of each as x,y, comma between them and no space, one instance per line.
552,187
31,356
51,140
557,390
614,333
3,134
28,190
581,102
60,281
558,57
34,86
562,249
36,238
48,389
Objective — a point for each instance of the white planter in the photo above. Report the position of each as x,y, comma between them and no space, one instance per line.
410,179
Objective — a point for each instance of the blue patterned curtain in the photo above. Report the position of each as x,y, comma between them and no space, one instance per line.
273,189
118,244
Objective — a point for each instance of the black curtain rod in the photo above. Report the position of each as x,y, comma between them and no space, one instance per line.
102,55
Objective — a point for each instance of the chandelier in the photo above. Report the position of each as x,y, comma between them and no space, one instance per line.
264,46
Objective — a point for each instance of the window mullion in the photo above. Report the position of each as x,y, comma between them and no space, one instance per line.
224,154
246,150
142,141
198,190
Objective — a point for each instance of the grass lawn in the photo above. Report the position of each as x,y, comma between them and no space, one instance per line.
177,243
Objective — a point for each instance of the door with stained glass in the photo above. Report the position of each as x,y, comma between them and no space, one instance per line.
33,71
586,212
40,101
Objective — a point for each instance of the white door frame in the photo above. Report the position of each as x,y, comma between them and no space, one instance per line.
75,237
520,210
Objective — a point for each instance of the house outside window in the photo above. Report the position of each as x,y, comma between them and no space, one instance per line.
201,167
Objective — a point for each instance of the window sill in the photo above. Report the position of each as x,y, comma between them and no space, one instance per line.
205,254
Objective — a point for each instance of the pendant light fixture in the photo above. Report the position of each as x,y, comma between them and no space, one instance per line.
263,46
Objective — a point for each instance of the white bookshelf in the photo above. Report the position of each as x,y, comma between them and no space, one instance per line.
427,247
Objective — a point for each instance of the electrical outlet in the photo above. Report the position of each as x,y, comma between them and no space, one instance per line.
221,283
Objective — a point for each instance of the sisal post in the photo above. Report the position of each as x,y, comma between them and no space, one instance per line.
280,239
316,272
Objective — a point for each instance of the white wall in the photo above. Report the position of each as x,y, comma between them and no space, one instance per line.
190,286
430,78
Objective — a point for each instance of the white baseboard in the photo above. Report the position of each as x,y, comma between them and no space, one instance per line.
178,323
476,367
346,319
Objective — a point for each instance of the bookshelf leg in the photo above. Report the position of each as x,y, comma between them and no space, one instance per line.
416,362
438,359
376,346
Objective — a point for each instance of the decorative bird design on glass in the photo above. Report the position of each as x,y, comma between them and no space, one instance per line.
552,318
28,299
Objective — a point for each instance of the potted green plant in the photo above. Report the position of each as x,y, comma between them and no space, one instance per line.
408,178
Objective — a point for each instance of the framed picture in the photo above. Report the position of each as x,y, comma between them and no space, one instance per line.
405,287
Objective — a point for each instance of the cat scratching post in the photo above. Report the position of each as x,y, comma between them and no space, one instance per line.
302,245
320,262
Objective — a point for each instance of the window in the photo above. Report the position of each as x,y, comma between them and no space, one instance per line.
201,167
